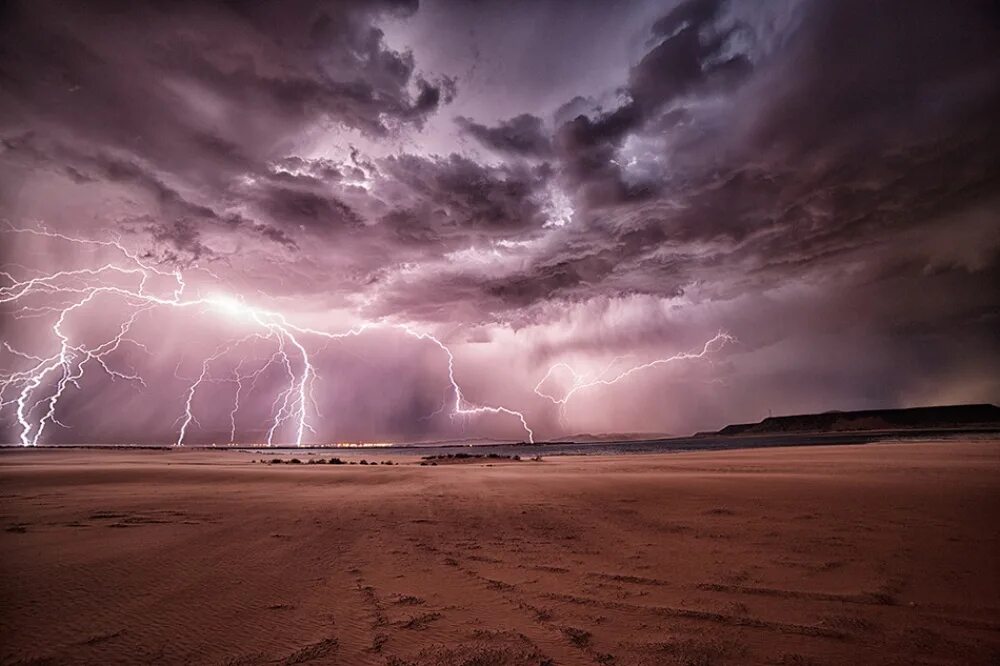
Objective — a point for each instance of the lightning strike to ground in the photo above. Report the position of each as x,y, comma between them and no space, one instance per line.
34,394
38,389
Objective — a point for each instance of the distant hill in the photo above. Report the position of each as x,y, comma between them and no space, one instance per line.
944,417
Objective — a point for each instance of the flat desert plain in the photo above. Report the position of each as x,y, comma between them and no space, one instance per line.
884,553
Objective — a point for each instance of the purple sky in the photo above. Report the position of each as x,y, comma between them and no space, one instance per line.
535,183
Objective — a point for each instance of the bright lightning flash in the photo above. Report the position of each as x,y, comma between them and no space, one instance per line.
582,381
34,393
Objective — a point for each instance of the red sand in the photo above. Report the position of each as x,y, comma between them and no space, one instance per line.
884,553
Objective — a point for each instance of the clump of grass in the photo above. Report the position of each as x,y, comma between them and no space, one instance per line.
409,600
578,637
446,457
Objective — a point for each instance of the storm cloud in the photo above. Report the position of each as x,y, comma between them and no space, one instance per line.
819,178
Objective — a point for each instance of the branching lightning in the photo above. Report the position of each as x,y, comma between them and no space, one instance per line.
34,393
582,381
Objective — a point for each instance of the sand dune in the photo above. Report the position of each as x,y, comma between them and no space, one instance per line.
884,553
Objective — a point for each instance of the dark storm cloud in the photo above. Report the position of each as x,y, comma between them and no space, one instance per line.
824,180
182,236
179,216
797,169
690,54
203,92
207,75
83,167
456,198
554,278
788,170
188,103
309,209
729,140
522,135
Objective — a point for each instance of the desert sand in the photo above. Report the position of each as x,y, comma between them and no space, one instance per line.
884,553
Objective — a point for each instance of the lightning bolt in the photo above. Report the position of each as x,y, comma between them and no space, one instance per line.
34,393
582,381
38,389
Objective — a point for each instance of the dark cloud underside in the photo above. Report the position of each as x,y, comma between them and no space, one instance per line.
738,157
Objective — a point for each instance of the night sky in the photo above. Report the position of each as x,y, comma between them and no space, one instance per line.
597,185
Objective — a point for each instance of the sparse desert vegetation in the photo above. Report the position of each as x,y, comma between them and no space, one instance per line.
324,461
447,458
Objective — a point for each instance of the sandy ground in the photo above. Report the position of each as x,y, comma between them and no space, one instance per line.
885,553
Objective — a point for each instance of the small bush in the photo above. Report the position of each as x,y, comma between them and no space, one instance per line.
578,637
472,456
